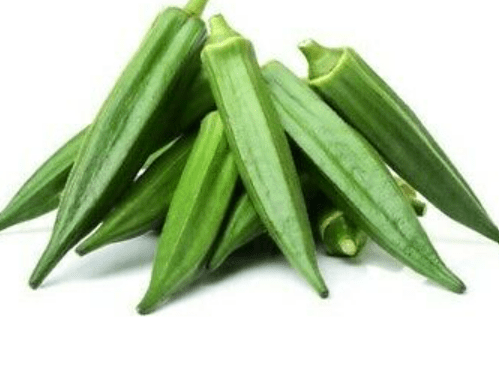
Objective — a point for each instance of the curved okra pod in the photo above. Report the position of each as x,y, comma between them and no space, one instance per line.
196,213
364,100
259,144
343,164
128,128
145,204
41,193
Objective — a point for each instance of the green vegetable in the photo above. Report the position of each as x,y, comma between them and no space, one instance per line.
243,226
41,193
197,210
353,175
128,128
340,237
145,204
260,147
364,100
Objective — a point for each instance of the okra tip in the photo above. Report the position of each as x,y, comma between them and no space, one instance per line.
147,305
195,7
321,60
220,29
89,245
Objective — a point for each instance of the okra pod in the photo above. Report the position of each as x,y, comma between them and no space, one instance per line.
340,237
128,128
197,210
41,193
364,100
260,147
145,204
346,167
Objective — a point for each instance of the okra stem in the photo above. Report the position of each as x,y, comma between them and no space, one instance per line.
220,29
195,7
321,60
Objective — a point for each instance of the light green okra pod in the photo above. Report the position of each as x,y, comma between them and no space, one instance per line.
128,128
145,204
197,210
346,167
364,100
260,147
41,193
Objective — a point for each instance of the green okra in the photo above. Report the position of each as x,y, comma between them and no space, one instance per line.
244,225
41,193
145,204
364,100
196,213
340,237
348,169
136,116
260,148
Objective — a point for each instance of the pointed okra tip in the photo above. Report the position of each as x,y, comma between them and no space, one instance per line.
321,60
195,7
220,30
148,304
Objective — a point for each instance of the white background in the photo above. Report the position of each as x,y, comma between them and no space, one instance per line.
59,59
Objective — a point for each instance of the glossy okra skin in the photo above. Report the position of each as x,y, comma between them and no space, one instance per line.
146,203
41,193
364,100
260,147
345,166
128,128
197,210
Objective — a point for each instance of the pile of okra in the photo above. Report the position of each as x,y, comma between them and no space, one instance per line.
201,142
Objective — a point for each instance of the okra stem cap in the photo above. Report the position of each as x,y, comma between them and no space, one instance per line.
220,30
321,60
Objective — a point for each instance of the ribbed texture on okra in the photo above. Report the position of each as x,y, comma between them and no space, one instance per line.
126,130
41,193
260,147
197,210
145,204
355,91
353,175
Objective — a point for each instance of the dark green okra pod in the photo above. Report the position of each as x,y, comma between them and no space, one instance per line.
197,210
332,228
41,193
364,100
128,128
145,204
260,147
346,167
